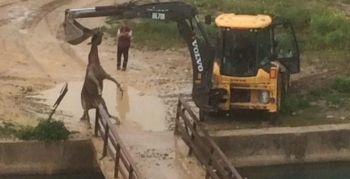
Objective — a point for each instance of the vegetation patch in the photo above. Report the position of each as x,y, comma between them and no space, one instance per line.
154,35
47,130
7,130
324,105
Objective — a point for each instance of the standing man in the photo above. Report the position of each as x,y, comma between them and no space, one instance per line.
124,39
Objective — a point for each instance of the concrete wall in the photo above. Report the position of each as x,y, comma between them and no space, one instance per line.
40,158
285,145
190,165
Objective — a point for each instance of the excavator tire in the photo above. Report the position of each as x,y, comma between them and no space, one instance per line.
203,115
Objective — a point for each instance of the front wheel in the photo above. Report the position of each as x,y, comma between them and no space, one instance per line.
273,118
203,115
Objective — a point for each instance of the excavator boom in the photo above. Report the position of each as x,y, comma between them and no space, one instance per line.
75,33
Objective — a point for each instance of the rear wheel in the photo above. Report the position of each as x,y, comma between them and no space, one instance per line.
203,115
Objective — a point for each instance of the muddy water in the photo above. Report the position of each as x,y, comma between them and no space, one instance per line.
143,126
132,106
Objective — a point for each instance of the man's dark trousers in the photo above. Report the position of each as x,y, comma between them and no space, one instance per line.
125,52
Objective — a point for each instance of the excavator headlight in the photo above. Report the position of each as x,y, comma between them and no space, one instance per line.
264,97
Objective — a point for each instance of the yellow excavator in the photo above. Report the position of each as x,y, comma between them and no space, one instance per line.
248,66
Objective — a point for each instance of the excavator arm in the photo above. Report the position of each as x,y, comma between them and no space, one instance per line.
201,50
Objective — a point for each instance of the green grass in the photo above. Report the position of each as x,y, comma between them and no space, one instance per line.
331,97
7,130
46,131
318,24
152,34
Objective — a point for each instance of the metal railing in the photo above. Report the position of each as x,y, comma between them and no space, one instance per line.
202,145
112,142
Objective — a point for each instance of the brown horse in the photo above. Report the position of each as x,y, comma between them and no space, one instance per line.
93,84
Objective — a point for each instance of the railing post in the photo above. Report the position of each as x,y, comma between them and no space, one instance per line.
105,143
210,160
192,138
131,170
96,121
116,164
207,175
177,118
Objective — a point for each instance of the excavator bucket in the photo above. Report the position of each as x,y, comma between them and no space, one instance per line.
74,32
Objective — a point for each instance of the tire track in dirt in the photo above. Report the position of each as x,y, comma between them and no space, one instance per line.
10,3
22,47
64,47
4,53
29,24
318,80
43,11
6,21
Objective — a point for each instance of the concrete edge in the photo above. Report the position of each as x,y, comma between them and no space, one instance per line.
286,147
281,130
107,163
36,157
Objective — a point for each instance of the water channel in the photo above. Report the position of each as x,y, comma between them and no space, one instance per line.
329,170
70,176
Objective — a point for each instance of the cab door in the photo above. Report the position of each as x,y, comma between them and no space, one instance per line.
286,49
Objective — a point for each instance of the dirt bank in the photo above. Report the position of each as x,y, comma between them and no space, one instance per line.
277,146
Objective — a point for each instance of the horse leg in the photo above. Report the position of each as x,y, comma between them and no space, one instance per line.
86,108
88,120
109,115
109,77
83,104
92,76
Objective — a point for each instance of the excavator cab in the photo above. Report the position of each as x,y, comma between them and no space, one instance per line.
255,55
